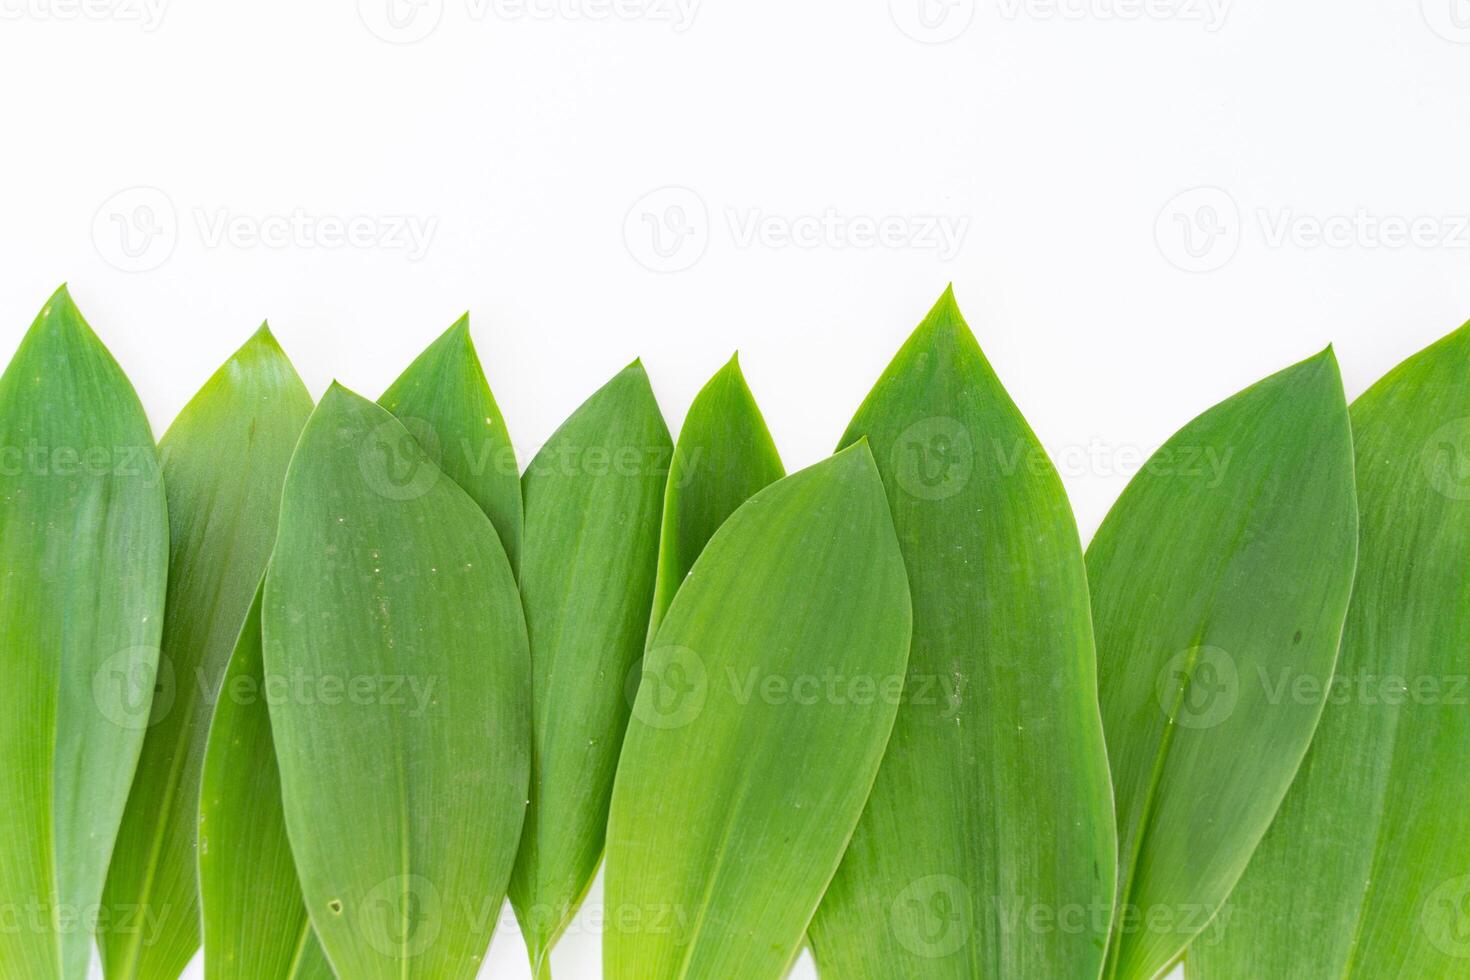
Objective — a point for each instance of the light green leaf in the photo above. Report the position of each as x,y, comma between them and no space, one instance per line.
392,618
1365,872
1223,570
593,496
255,922
757,730
224,460
725,454
83,562
443,400
993,804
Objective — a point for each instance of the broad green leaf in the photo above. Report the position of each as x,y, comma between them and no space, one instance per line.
725,454
593,496
993,805
446,405
763,712
255,922
1224,568
1365,872
224,460
83,563
393,628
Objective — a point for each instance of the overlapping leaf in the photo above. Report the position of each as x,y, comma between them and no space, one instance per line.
224,460
83,562
593,497
255,922
1220,578
993,802
757,730
392,617
725,454
446,405
1365,872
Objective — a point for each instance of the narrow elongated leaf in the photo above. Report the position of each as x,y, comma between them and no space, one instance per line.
1225,566
403,737
593,496
725,454
83,562
757,730
993,808
445,403
1365,872
255,922
224,460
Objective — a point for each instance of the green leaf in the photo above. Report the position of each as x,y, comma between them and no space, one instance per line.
393,627
224,460
757,730
725,454
443,400
255,922
83,562
1365,872
593,496
993,803
1224,567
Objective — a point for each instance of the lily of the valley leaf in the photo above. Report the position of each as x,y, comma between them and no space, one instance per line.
994,797
737,789
593,497
83,562
1365,873
404,764
224,460
1211,588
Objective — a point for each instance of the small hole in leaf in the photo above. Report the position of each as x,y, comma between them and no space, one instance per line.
335,906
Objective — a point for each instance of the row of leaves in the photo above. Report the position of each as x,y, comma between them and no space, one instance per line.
861,708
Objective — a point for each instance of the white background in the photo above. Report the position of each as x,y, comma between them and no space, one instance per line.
1132,186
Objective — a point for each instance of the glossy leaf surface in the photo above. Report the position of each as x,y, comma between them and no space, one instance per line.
393,621
757,730
724,455
224,460
83,563
1365,872
1222,573
993,801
